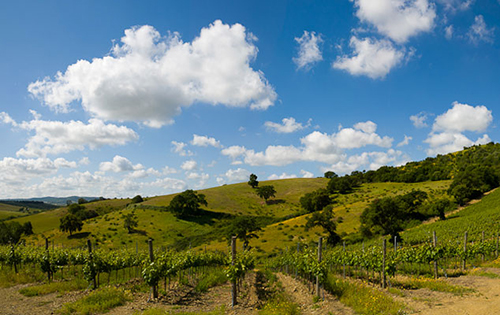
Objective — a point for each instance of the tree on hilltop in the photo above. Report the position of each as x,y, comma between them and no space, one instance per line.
253,181
130,221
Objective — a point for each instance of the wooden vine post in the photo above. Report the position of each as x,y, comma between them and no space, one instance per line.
434,244
154,288
89,245
384,252
47,252
233,261
343,265
320,248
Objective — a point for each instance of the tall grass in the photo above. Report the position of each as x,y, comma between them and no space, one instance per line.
98,301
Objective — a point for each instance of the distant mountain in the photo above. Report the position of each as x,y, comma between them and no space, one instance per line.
58,201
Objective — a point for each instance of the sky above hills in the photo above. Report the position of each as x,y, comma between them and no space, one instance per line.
116,99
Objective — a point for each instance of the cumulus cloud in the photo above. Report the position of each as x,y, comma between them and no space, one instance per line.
316,147
406,141
202,178
463,117
306,174
372,58
479,32
204,141
189,165
309,50
419,120
237,175
119,164
148,77
370,160
448,128
288,125
55,137
282,176
18,171
179,148
397,19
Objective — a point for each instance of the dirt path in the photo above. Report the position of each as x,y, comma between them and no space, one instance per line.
301,295
14,303
486,299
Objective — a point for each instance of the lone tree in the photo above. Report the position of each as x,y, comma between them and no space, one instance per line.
187,203
326,220
243,228
70,223
137,199
330,174
130,221
253,181
266,192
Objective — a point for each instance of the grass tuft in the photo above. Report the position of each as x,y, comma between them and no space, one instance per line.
60,287
98,301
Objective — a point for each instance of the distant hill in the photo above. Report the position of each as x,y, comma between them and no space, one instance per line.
58,201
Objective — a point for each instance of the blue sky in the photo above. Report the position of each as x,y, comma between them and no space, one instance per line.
154,97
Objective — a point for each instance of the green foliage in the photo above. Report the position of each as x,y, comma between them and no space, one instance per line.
210,279
472,182
253,181
187,203
326,220
70,223
137,199
81,201
243,228
60,287
130,221
316,200
11,232
266,192
330,174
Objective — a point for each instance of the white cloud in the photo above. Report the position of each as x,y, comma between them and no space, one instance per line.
189,165
406,141
143,173
148,78
480,32
463,117
204,141
288,125
55,137
446,142
306,174
237,175
448,32
84,161
178,147
168,170
456,5
309,50
220,181
202,178
419,120
372,58
119,164
14,171
316,147
447,131
282,176
397,19
371,160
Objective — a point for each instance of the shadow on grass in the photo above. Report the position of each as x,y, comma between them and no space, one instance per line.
141,232
275,201
79,235
206,217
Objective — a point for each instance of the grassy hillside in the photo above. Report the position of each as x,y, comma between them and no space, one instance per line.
349,207
241,198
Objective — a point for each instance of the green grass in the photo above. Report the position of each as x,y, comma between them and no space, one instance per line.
362,298
439,285
210,279
99,301
9,278
60,287
474,219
